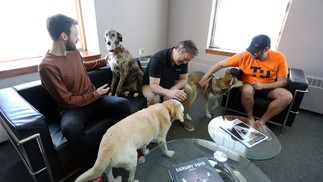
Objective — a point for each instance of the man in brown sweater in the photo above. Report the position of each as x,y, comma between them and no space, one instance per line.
64,75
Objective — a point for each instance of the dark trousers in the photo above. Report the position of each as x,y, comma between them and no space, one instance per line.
73,123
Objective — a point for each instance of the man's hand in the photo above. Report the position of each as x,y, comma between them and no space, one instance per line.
257,86
104,60
103,89
176,94
204,83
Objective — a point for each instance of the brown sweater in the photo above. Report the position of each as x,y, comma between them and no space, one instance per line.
66,79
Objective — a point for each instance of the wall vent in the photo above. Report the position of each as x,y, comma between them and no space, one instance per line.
315,82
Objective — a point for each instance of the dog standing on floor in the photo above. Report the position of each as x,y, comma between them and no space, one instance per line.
123,66
215,89
118,147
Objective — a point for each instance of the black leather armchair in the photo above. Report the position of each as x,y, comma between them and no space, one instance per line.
297,85
31,119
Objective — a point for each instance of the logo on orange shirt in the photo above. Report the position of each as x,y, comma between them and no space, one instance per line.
257,70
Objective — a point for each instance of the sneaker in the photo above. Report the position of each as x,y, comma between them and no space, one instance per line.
188,126
264,129
101,178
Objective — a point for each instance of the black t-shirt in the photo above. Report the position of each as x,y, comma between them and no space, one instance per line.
159,66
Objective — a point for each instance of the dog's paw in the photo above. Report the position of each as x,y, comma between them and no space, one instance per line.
136,94
170,153
141,160
110,94
188,117
145,151
118,179
208,115
126,93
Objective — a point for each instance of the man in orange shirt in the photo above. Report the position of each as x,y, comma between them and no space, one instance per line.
264,72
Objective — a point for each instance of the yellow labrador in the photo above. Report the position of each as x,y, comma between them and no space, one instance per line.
118,147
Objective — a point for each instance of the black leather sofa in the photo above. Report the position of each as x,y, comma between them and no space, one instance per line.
297,85
31,119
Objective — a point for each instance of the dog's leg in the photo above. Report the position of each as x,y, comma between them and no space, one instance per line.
109,173
163,146
216,103
119,89
132,174
144,150
206,105
113,82
131,166
168,153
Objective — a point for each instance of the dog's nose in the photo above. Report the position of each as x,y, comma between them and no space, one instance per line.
109,43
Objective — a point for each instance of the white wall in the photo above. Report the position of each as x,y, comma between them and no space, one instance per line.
302,38
142,23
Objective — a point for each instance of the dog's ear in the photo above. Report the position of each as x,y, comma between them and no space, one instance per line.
120,37
228,72
175,109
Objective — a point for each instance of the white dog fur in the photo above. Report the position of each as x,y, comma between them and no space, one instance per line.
119,144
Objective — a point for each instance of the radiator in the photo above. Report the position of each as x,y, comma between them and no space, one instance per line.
312,101
200,64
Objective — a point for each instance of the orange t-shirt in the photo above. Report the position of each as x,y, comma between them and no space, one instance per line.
262,71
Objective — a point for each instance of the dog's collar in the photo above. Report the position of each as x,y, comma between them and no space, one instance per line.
170,114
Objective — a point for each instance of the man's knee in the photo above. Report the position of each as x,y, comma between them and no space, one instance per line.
154,99
71,128
287,97
151,97
247,91
281,94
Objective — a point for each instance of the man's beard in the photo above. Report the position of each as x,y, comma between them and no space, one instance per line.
70,46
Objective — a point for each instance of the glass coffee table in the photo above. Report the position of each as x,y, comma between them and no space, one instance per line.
156,163
262,151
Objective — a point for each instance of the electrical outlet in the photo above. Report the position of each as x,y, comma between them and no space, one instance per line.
141,52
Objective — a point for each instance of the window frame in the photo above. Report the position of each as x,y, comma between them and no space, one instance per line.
230,52
25,65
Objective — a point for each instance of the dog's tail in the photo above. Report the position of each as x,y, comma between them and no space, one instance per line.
98,168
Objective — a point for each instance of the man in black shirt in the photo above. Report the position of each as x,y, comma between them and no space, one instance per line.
166,76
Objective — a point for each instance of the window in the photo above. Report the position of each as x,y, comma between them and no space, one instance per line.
235,22
23,26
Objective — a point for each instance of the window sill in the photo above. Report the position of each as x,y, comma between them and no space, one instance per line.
221,52
30,65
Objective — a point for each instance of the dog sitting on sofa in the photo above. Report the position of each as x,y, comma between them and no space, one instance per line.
123,66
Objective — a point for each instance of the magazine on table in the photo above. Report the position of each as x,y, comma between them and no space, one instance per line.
194,170
243,132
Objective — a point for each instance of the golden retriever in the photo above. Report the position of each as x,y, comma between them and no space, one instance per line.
118,147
